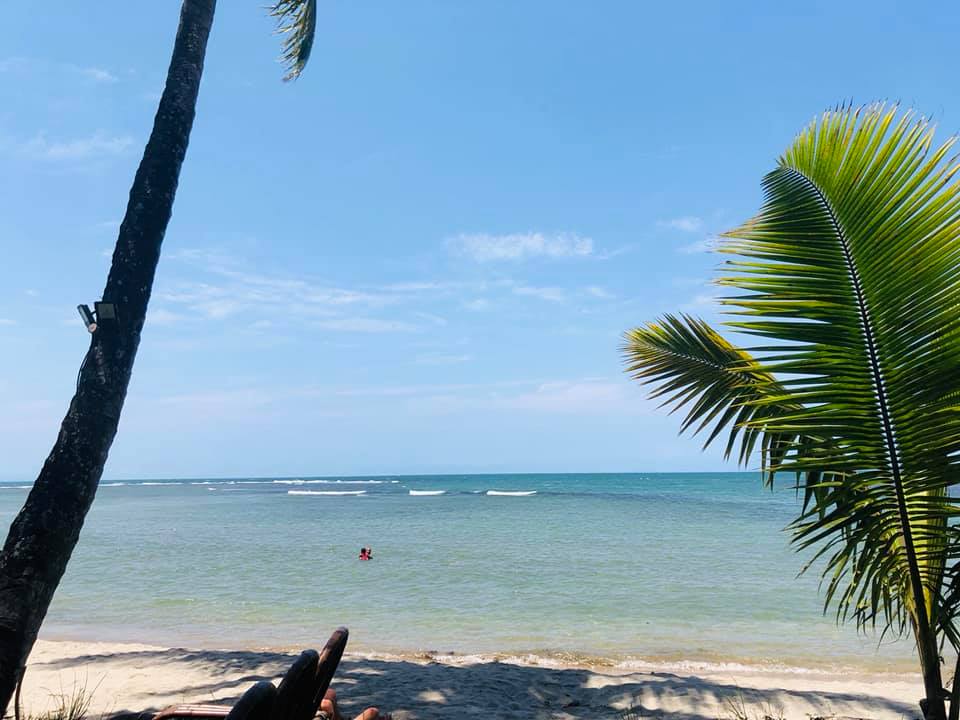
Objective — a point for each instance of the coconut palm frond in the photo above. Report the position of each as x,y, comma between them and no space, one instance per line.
852,270
691,365
297,22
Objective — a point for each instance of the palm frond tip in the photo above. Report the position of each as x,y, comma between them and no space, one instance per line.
297,22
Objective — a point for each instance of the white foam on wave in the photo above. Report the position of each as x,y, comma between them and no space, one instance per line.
327,492
329,482
427,492
158,484
15,487
512,493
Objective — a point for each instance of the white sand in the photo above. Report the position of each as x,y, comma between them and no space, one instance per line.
138,678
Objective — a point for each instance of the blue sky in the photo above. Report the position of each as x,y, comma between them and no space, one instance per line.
421,256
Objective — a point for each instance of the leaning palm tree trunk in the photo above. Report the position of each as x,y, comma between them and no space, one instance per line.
43,535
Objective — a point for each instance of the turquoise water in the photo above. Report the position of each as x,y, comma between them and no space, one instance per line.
630,567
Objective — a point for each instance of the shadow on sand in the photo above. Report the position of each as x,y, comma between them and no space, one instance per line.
422,691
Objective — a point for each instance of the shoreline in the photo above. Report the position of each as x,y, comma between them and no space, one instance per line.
704,661
133,678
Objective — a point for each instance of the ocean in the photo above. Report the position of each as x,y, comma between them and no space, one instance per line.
675,569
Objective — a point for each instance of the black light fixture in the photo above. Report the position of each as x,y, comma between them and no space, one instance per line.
106,311
87,317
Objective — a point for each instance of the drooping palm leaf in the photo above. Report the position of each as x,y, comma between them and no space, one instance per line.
851,268
692,365
297,21
689,364
850,275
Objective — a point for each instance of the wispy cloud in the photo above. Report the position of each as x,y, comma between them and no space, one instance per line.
579,396
94,73
598,292
220,285
229,290
707,244
700,302
478,305
687,223
441,359
550,294
162,316
432,319
231,403
20,64
366,325
95,146
483,248
584,397
6,322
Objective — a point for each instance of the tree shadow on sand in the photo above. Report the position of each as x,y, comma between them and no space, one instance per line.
423,691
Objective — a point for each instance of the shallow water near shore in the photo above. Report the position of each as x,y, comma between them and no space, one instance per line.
682,569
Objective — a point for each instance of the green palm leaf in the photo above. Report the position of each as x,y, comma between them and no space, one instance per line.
850,277
693,366
851,266
690,365
297,21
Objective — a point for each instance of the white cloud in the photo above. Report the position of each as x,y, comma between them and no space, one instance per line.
161,316
699,302
219,286
94,73
478,305
708,244
688,223
97,145
232,291
616,252
414,287
24,64
423,391
550,294
434,319
366,325
441,359
586,396
218,403
520,246
598,292
7,322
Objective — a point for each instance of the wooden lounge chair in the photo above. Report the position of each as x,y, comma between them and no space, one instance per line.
297,698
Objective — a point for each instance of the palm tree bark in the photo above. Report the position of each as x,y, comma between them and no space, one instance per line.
44,533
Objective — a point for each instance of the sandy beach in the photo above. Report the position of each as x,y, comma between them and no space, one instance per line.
131,678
